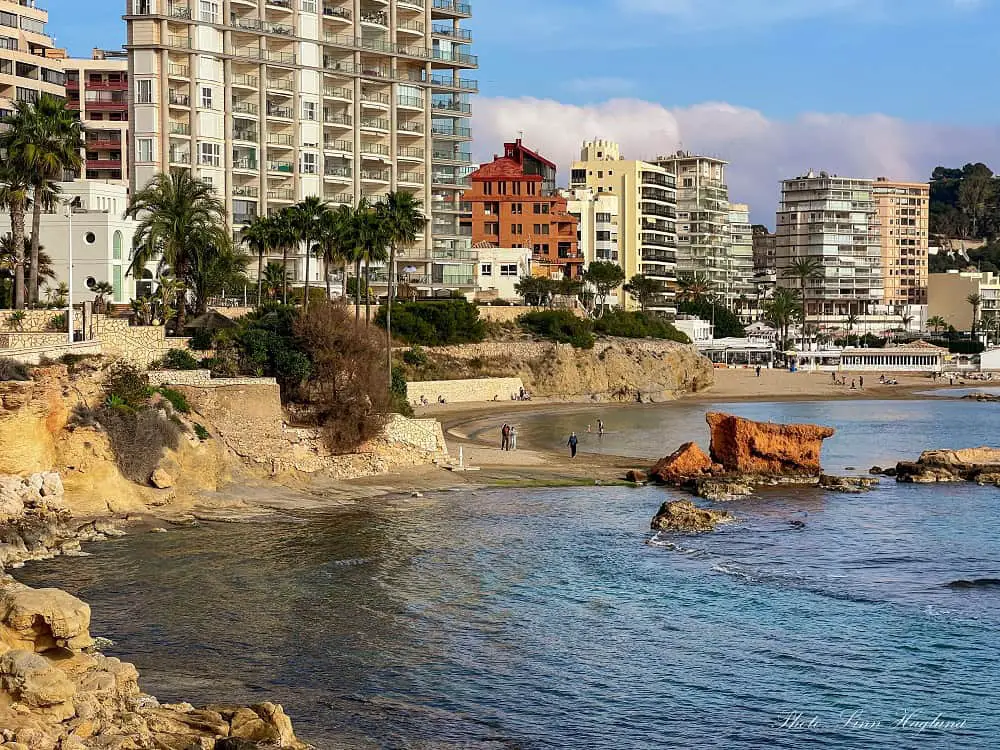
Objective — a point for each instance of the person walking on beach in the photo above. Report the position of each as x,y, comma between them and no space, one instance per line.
600,427
572,443
513,438
861,382
504,436
758,371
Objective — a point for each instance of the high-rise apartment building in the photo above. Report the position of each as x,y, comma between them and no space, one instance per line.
29,62
764,242
703,234
512,207
741,259
647,213
903,215
277,100
833,220
597,214
98,90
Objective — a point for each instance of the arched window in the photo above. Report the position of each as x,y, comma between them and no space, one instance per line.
117,245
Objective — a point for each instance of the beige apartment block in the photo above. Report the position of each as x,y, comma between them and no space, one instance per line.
277,100
948,297
744,291
903,215
833,220
703,235
647,214
597,214
29,62
97,88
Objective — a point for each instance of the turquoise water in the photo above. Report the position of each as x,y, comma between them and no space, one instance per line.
555,619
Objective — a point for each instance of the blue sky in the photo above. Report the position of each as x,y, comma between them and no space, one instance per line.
866,87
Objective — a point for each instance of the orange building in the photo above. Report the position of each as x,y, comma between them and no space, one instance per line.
514,205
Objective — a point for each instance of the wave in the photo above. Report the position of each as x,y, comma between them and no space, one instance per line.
975,583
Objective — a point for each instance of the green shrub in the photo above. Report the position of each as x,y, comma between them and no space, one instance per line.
435,323
415,357
11,369
16,320
176,399
400,403
179,359
637,325
200,432
560,326
128,384
291,366
201,340
57,322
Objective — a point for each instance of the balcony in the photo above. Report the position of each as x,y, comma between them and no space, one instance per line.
375,149
455,156
374,123
338,145
281,194
178,71
451,206
104,163
414,128
178,100
248,191
250,136
375,175
452,82
375,97
103,141
245,81
245,164
445,131
410,178
281,167
342,14
411,3
411,102
179,158
337,92
448,179
338,172
451,32
242,219
180,128
339,120
457,58
452,6
346,199
181,42
280,139
275,110
416,27
106,86
406,152
246,108
452,106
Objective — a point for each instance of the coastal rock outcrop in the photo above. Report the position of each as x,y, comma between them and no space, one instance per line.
850,485
746,447
980,465
686,463
57,691
683,515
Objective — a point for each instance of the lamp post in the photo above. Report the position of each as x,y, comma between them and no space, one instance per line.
69,312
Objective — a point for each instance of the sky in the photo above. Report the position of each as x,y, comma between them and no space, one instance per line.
864,88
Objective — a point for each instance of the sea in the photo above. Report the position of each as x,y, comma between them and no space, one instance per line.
554,618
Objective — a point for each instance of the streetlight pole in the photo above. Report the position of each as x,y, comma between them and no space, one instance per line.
69,312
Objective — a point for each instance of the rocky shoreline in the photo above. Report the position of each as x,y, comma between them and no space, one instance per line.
57,690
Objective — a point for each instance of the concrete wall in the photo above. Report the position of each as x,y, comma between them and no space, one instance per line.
464,391
201,378
947,295
140,345
424,434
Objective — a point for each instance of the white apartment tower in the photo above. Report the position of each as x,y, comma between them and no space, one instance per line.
741,258
703,235
272,101
834,220
29,62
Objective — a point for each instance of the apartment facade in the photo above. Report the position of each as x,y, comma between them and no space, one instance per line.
833,220
277,100
744,291
29,61
511,208
764,243
597,232
903,216
703,235
948,298
98,90
647,214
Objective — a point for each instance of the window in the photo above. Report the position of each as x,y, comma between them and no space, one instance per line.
144,149
516,229
207,179
508,269
486,269
211,154
308,110
209,11
517,208
541,228
501,188
26,95
143,7
491,227
603,218
308,163
308,6
206,97
688,182
116,244
144,91
8,19
7,43
487,188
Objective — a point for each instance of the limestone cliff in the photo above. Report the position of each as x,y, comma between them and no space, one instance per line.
614,370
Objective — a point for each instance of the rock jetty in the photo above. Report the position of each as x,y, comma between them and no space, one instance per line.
981,465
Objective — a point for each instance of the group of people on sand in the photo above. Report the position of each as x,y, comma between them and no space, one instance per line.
508,437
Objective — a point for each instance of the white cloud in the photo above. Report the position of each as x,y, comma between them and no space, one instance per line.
761,151
601,86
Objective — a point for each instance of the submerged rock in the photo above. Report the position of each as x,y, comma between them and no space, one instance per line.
723,488
684,515
746,447
852,485
636,476
980,465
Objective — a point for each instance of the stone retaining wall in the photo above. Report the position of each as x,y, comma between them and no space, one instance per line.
17,340
464,391
201,379
510,313
527,350
34,355
424,434
140,345
34,320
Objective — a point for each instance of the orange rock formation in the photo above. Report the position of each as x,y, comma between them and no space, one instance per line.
762,448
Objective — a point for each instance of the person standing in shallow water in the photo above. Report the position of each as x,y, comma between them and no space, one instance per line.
600,427
572,443
504,436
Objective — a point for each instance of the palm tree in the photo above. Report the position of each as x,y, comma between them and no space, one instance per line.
975,300
257,237
14,190
691,287
402,220
335,240
906,319
274,279
308,217
937,323
782,310
43,139
371,242
804,269
8,256
101,290
283,235
179,216
852,320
